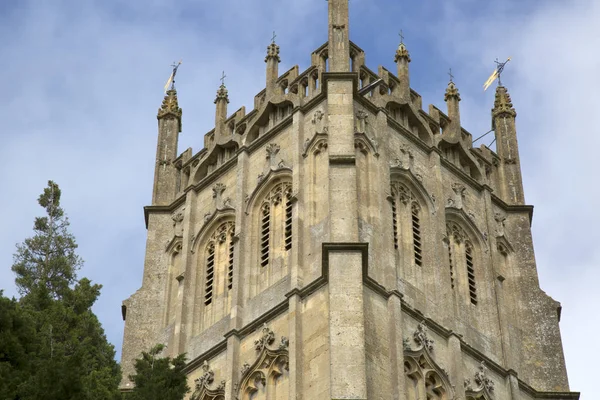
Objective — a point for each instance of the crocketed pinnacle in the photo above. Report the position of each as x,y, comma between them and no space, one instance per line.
451,92
170,106
272,52
402,53
502,103
222,94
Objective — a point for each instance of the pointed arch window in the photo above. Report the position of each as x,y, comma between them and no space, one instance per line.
219,258
276,223
407,222
462,262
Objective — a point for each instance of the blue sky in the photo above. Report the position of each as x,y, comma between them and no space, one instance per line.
82,81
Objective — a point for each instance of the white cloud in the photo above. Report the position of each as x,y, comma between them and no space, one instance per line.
83,80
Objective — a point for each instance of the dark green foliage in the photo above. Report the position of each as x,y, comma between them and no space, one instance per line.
17,334
158,378
66,351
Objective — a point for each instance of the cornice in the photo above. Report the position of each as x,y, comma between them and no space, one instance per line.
162,209
517,208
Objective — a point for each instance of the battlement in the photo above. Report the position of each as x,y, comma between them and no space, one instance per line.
293,90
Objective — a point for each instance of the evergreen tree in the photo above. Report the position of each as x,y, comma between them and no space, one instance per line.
17,341
72,358
159,378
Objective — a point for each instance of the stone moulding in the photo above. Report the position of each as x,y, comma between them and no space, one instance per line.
272,176
217,216
316,144
270,362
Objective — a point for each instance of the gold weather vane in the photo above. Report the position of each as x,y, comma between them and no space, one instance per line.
171,81
495,74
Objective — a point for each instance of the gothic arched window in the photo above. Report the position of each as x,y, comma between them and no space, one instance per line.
407,222
462,261
275,235
218,265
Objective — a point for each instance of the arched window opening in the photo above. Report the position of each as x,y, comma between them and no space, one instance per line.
265,234
416,230
230,266
276,222
407,223
288,218
462,262
451,265
210,274
471,272
395,222
219,257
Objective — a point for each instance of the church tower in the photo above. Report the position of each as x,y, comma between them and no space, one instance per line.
339,242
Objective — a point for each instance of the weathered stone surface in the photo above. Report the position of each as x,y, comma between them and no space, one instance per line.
369,241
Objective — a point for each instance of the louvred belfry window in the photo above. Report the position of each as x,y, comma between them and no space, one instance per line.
406,222
462,262
219,258
275,223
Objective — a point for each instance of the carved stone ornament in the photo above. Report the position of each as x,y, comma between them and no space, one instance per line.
361,121
207,377
270,362
272,150
422,338
218,190
459,196
266,339
426,376
177,220
500,218
482,379
202,390
484,385
178,216
405,159
319,122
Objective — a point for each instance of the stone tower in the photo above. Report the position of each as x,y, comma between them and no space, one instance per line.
338,242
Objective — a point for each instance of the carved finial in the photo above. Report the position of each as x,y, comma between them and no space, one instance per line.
268,336
272,52
422,338
503,104
482,379
207,376
170,107
402,52
451,92
222,93
245,368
